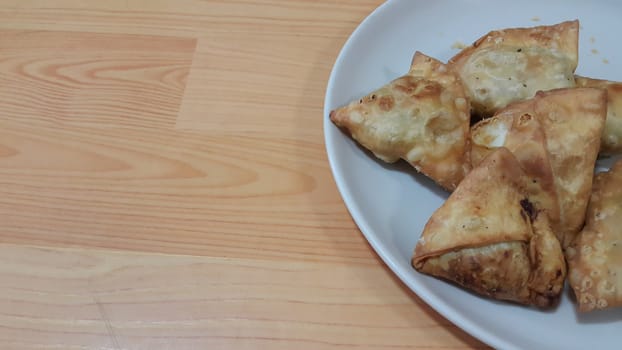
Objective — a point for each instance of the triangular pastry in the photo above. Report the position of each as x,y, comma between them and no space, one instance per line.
595,257
523,135
572,121
422,117
513,64
489,237
611,141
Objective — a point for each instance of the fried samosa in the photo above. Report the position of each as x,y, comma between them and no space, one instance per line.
523,135
611,141
595,257
513,64
572,121
489,237
422,117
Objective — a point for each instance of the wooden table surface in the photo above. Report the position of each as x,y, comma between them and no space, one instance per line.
164,183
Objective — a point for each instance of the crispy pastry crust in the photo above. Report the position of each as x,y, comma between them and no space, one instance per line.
595,257
513,64
572,121
489,238
611,140
523,135
422,117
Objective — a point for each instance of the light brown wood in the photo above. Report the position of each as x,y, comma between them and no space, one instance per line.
164,183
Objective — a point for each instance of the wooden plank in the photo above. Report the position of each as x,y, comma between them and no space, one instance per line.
166,191
259,84
90,79
72,298
187,17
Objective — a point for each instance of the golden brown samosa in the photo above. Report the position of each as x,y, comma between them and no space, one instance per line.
422,117
595,257
611,140
572,121
523,135
489,237
513,64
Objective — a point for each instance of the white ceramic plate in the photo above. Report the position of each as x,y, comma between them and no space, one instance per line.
391,203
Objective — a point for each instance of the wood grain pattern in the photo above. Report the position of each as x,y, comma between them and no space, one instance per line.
164,183
255,77
97,80
188,17
144,301
172,192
